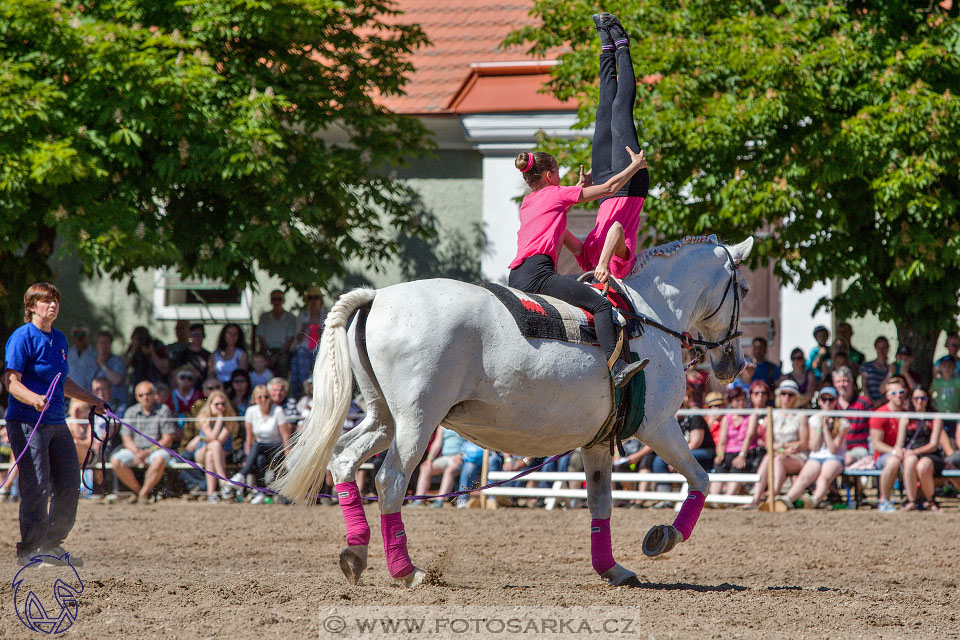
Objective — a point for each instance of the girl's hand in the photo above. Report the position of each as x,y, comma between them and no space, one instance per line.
601,273
637,159
740,461
586,179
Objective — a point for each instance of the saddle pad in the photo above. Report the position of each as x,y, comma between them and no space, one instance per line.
544,317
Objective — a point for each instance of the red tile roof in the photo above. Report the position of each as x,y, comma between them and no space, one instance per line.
463,32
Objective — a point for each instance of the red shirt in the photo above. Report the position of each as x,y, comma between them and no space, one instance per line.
543,219
889,426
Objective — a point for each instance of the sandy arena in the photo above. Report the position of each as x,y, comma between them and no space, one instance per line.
192,570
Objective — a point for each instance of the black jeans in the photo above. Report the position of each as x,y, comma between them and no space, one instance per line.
615,128
537,274
259,457
49,484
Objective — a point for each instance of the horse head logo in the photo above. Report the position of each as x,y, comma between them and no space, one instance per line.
31,594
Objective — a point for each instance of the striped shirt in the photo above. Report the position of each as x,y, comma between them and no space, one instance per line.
859,434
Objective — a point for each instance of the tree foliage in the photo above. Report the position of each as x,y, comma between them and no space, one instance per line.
187,133
834,125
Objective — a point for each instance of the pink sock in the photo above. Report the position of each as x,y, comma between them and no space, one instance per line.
358,531
601,551
395,545
689,513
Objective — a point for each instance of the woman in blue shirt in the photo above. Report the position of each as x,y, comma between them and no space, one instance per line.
49,470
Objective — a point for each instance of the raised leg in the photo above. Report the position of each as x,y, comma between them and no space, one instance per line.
597,464
667,440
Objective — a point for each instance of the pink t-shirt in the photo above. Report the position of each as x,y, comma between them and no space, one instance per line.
543,218
625,210
737,427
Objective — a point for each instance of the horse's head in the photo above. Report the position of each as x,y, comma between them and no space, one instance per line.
718,314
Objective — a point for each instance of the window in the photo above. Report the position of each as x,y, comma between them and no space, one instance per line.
177,298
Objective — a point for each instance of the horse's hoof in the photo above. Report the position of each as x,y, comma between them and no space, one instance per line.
412,579
661,539
353,562
618,576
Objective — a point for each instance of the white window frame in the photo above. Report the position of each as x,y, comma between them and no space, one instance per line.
203,313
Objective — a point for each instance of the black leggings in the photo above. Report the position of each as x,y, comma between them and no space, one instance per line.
537,274
615,128
259,457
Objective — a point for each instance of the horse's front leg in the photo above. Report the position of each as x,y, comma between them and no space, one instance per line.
666,439
598,465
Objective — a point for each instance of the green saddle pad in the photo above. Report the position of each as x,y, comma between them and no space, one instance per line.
634,395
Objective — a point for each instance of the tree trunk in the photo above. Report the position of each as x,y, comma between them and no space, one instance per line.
922,345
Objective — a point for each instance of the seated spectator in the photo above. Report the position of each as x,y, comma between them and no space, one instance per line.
759,398
162,390
444,458
194,354
81,358
858,435
154,420
736,439
260,373
305,403
698,438
945,395
714,400
176,349
952,344
828,444
903,367
230,354
276,332
888,451
765,370
839,357
216,436
818,361
791,442
111,367
639,458
803,377
268,434
78,415
845,332
472,455
146,358
921,460
310,327
873,373
241,387
8,487
745,378
278,389
103,389
184,394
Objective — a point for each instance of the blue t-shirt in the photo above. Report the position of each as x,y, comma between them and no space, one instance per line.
38,357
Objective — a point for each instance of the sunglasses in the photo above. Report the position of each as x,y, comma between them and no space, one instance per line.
901,392
314,297
920,398
758,392
262,398
827,399
276,299
186,376
787,393
218,404
796,357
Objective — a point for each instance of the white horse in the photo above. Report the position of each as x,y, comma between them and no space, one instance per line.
442,351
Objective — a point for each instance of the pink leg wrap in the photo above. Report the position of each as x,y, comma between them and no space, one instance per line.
395,545
601,551
689,513
358,531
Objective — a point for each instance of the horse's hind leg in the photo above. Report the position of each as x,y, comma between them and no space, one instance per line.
598,465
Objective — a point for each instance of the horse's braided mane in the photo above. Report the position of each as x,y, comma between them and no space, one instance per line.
668,249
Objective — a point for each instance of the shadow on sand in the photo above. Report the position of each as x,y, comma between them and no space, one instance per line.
635,583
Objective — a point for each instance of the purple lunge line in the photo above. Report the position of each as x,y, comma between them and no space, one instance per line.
35,427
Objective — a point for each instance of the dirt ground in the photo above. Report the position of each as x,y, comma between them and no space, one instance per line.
193,570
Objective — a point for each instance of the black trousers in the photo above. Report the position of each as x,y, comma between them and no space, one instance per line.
537,274
615,128
260,456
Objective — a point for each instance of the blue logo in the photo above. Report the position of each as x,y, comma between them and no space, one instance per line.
42,613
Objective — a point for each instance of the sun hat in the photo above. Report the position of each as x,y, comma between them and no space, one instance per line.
714,399
789,386
829,391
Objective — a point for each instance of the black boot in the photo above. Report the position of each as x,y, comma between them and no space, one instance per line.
622,372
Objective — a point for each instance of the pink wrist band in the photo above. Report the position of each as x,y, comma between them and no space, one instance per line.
689,513
358,531
395,545
601,550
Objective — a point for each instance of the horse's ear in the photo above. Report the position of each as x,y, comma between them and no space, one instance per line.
739,252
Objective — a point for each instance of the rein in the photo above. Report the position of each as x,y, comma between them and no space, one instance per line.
53,385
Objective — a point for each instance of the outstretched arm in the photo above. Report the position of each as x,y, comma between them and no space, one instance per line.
614,184
572,243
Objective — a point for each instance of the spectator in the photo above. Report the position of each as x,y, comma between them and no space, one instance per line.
268,434
819,359
714,400
176,349
310,322
8,489
945,392
698,438
305,403
194,354
146,358
888,451
845,331
278,389
184,394
791,442
103,389
734,443
953,350
745,377
920,438
241,388
77,421
759,397
858,436
803,377
472,455
828,435
81,358
873,373
443,457
230,354
839,357
766,370
111,367
276,332
903,367
639,458
216,436
260,374
154,420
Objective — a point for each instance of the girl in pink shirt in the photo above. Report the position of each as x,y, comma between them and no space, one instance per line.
543,226
611,246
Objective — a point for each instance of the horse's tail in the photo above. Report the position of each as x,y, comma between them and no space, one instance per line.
332,391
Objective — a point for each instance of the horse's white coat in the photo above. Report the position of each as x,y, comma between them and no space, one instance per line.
442,351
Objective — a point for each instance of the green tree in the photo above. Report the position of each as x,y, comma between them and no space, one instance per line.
150,133
831,124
